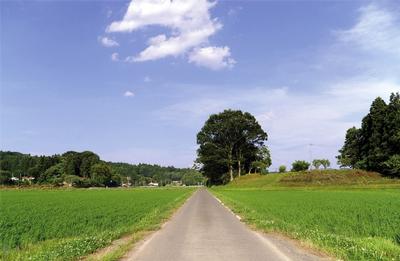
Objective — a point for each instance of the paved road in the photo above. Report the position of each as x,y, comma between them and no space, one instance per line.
205,230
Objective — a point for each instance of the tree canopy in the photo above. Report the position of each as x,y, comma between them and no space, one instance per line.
229,144
376,145
300,165
85,169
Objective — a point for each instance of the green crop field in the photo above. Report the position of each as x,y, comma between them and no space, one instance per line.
351,223
66,224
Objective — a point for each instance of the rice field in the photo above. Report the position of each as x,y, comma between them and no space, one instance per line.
67,224
347,223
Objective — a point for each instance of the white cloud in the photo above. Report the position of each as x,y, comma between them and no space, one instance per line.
147,79
108,42
115,57
292,119
212,57
376,29
189,21
129,94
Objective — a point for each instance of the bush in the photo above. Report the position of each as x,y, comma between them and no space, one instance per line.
300,165
51,174
321,162
5,177
392,166
115,181
282,169
101,174
78,182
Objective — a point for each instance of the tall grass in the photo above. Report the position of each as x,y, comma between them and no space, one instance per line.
354,224
66,224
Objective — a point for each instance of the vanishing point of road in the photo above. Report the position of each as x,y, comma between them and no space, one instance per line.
204,230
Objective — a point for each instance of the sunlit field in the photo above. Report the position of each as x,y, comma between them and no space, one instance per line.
66,224
346,222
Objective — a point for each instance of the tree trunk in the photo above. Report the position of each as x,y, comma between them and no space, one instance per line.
230,164
239,168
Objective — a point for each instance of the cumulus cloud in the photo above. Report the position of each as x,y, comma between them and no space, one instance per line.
115,57
189,22
108,42
129,94
212,57
376,29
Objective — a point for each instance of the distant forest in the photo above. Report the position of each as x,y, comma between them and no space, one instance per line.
86,169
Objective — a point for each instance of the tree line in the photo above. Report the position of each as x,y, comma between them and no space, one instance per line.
231,144
86,169
375,146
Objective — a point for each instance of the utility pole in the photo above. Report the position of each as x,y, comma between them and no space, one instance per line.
310,153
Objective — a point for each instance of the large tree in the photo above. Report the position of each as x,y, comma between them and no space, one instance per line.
376,145
227,140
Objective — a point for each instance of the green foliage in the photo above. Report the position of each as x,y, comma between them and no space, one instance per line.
316,163
228,140
262,161
193,178
259,166
373,145
282,169
53,174
351,224
100,174
66,224
76,168
300,165
321,162
392,165
5,177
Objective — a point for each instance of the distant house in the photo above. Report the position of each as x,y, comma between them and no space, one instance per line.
176,183
127,183
153,184
28,179
14,179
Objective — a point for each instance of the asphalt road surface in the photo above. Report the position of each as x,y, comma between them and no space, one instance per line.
203,229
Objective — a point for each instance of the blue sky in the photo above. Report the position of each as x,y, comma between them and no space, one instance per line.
135,81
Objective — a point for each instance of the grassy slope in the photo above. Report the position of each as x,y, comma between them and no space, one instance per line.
315,179
354,216
66,224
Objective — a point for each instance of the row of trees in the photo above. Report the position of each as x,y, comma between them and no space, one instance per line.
231,143
84,169
301,165
376,145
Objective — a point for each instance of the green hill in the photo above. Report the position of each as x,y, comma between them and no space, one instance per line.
314,178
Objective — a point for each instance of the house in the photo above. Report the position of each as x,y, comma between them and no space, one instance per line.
28,179
176,183
153,184
14,179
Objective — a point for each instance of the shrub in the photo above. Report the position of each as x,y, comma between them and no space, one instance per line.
78,182
282,169
5,177
392,166
300,165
